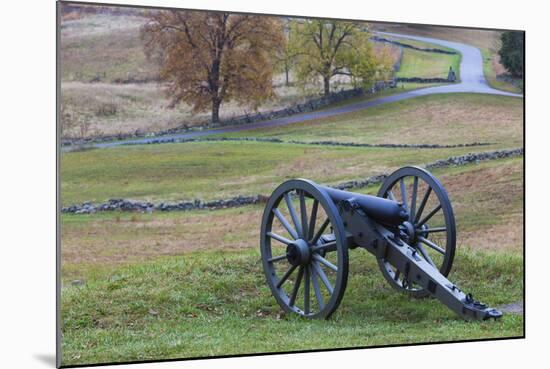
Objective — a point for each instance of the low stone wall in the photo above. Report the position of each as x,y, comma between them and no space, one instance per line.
308,106
321,143
147,207
475,158
424,80
509,79
407,46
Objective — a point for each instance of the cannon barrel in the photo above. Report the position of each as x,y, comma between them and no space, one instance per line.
382,210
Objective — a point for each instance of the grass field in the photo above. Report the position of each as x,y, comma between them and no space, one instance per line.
136,300
155,172
423,64
496,202
149,310
442,119
416,63
146,286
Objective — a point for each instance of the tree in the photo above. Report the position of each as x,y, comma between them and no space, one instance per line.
286,57
328,48
511,52
208,58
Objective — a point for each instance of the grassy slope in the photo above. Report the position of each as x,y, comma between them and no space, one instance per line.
88,42
213,170
143,306
217,303
488,218
442,119
423,64
136,305
155,172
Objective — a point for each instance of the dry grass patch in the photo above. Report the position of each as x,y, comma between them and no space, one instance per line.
488,205
435,119
476,37
125,237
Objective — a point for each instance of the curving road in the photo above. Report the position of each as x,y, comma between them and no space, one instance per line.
471,76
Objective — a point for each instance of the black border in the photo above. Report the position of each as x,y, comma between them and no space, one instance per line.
59,3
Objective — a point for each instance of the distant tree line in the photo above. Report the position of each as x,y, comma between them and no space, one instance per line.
208,58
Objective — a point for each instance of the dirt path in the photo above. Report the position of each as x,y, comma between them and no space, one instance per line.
471,76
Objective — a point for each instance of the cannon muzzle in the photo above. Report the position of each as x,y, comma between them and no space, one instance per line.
382,210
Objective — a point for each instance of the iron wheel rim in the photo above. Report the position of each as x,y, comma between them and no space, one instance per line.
308,277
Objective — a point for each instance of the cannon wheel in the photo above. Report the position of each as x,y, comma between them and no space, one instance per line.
304,253
415,188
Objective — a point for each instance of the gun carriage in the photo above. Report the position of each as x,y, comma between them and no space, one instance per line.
307,230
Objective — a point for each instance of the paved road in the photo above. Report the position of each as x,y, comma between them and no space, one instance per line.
471,75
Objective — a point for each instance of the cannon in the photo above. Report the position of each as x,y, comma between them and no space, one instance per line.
307,230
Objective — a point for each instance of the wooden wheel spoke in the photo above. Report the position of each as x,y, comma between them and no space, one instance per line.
313,219
323,277
429,216
285,223
281,239
432,245
329,246
403,193
433,230
424,254
293,214
423,204
276,258
320,231
296,287
325,262
413,199
285,276
391,196
303,214
306,290
317,290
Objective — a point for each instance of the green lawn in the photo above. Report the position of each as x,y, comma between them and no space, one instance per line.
217,303
190,284
441,119
424,64
214,170
416,63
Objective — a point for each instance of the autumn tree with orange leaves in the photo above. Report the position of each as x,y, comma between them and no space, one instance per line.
208,58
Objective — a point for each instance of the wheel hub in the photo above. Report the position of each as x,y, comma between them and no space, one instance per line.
407,228
298,253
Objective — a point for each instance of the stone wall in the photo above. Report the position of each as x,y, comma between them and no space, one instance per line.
308,106
423,80
148,207
162,140
407,46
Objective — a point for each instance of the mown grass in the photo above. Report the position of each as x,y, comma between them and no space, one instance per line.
217,303
487,199
416,63
441,119
214,170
